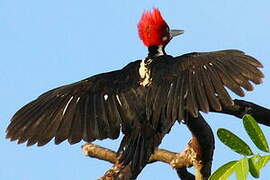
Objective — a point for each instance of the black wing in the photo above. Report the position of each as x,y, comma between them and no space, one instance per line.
196,81
93,108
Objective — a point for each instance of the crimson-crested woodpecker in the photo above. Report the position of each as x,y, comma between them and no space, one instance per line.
143,100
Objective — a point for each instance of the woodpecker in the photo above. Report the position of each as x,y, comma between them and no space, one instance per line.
143,100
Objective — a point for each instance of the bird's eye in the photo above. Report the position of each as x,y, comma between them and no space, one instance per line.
166,32
164,38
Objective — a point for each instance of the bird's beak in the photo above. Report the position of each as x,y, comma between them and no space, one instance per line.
175,32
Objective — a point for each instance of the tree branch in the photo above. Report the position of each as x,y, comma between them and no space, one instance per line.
241,107
203,145
96,151
198,153
162,155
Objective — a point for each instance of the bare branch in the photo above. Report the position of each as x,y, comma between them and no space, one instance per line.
96,151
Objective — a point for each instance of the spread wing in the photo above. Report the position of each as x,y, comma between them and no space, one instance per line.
197,81
93,108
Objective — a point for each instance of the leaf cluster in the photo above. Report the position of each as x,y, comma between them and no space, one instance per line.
250,163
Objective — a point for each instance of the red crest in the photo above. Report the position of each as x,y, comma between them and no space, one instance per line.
153,30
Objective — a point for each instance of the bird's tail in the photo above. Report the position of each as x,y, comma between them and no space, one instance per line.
136,149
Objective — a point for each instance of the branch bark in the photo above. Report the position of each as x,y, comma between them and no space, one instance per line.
174,159
96,151
241,107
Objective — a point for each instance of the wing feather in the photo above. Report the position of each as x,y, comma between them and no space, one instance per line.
75,131
192,104
237,76
198,80
157,107
65,120
213,101
17,126
103,125
200,89
247,71
39,126
53,124
220,90
182,97
170,100
93,108
227,80
113,119
176,98
84,114
22,129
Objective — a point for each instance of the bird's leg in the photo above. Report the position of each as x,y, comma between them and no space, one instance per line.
199,151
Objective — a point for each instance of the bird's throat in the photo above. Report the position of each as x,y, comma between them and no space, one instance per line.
155,51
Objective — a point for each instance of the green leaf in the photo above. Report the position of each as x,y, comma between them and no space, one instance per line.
256,163
234,142
263,161
253,167
255,133
224,171
241,169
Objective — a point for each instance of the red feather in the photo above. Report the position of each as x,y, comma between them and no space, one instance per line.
153,30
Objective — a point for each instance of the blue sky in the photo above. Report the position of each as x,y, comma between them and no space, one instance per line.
45,44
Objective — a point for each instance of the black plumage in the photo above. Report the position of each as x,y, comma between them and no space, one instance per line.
99,106
143,100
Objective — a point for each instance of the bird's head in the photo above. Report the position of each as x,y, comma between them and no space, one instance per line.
153,29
